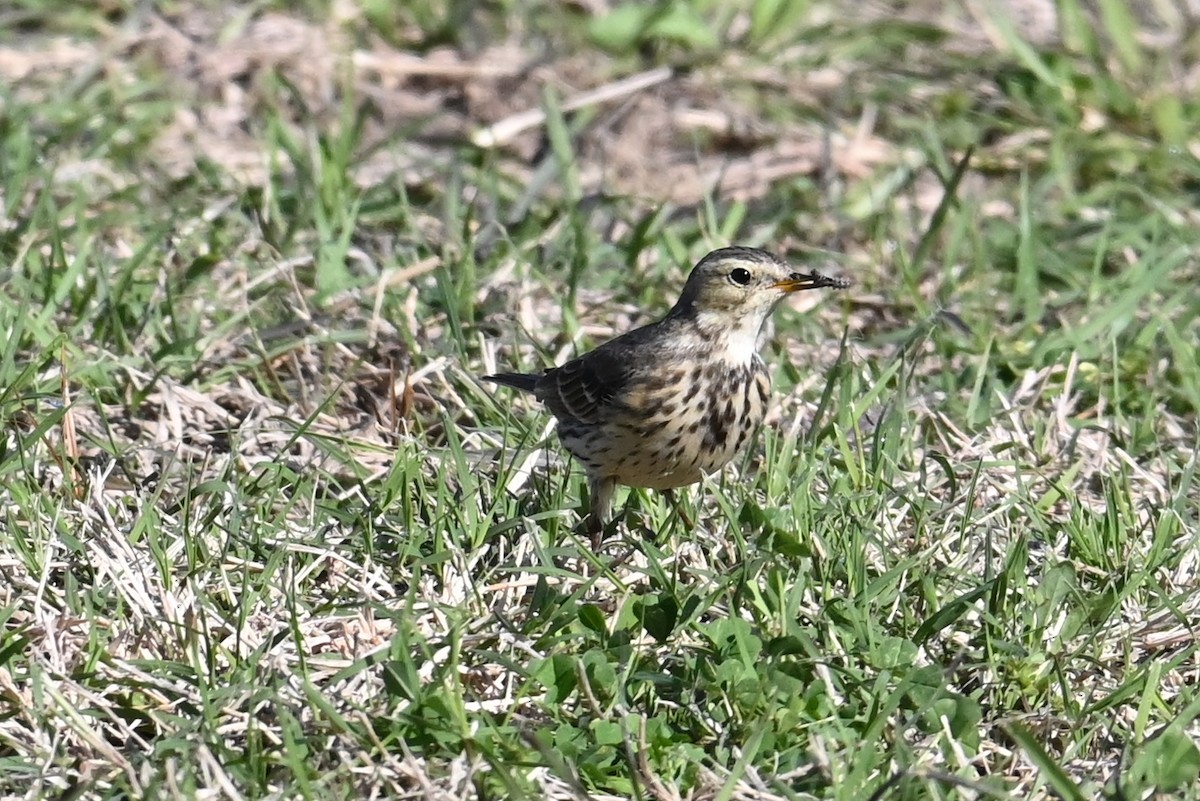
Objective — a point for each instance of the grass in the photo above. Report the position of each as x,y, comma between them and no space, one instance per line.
263,533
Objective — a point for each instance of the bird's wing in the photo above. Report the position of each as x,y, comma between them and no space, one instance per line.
589,388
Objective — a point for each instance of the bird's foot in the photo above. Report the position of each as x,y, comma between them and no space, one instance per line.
598,530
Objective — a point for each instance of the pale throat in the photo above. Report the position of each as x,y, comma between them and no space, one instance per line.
733,340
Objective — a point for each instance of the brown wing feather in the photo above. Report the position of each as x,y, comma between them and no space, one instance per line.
587,389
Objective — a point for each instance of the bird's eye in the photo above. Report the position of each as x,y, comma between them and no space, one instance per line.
740,276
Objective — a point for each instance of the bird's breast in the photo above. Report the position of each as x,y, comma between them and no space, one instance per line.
679,421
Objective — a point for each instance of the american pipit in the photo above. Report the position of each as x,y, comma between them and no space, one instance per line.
668,403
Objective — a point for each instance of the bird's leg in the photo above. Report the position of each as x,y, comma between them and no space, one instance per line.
600,491
673,499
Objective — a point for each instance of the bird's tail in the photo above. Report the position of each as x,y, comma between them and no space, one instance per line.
521,381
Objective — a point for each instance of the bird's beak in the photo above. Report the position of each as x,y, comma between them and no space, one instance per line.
798,281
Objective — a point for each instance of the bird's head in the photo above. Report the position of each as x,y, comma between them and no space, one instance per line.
736,288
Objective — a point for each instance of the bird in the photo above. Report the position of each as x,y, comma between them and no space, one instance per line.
664,405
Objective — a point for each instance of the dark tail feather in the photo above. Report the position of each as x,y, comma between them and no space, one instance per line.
522,381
